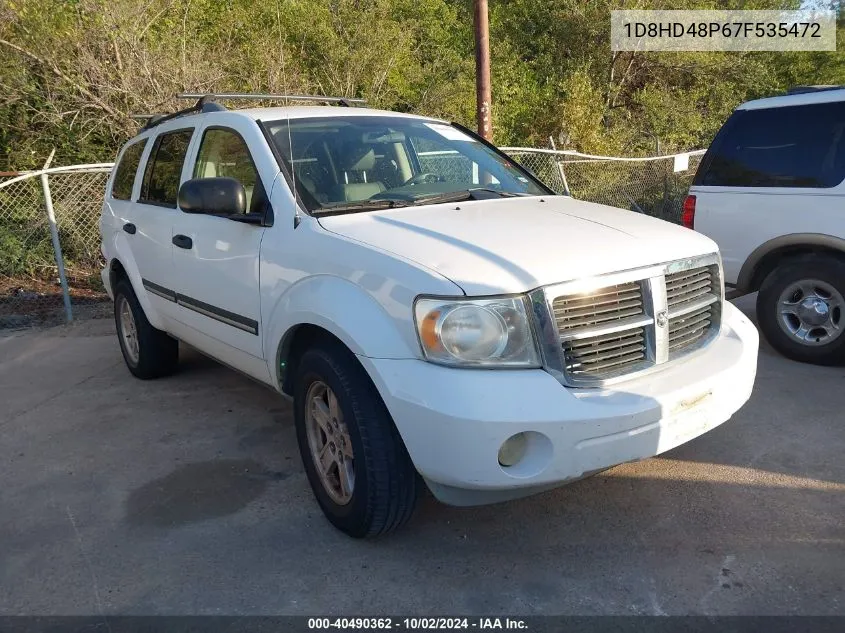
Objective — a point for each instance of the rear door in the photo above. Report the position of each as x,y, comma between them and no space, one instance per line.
154,213
119,216
216,260
772,172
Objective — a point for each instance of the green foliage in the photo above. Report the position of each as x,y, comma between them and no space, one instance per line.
24,247
74,70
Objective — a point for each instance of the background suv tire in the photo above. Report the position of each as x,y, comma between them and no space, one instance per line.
148,352
801,309
355,460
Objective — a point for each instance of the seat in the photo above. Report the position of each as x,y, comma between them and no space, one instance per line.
355,162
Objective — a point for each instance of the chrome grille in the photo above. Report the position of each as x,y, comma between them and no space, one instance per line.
692,297
687,330
638,320
592,345
608,354
686,286
608,304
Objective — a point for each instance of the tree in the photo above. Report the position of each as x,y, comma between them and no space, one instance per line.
76,69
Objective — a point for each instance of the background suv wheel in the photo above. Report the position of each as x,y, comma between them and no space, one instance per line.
801,309
148,352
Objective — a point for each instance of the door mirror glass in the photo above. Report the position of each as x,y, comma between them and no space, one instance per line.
213,196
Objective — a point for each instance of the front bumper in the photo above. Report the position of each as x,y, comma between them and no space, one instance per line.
453,421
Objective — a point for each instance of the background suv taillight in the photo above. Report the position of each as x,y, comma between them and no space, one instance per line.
688,216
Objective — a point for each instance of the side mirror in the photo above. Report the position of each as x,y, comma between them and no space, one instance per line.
213,196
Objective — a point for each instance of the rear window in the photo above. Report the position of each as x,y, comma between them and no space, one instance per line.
796,146
164,168
124,176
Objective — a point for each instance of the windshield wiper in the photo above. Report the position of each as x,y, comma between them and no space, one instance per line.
395,203
363,205
460,196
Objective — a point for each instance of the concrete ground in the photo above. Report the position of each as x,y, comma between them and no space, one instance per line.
187,496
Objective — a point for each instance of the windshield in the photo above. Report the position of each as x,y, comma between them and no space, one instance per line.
358,163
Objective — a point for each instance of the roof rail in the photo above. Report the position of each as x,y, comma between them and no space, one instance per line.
800,90
204,104
343,101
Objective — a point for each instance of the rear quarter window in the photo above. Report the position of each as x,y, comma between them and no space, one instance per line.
795,146
164,168
127,169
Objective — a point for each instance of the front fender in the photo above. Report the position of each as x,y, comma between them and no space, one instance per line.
345,310
123,253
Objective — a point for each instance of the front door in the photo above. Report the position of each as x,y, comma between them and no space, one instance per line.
215,259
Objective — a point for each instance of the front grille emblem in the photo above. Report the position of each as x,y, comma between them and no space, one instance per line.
662,318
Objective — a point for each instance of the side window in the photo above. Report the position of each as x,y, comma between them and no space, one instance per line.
796,146
124,176
223,153
164,168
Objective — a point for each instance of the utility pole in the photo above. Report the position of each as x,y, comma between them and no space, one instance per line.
483,96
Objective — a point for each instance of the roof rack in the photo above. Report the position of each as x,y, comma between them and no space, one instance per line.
204,104
800,90
343,101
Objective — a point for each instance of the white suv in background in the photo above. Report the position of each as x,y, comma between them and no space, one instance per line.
435,312
771,192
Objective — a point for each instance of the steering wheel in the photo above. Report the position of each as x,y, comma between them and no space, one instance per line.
425,177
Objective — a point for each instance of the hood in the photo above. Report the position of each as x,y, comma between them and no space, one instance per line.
513,245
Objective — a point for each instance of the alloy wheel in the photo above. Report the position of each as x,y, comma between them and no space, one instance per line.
128,330
328,439
811,312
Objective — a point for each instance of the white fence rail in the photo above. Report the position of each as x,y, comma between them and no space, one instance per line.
50,244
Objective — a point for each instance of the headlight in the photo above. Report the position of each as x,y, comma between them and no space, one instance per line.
476,332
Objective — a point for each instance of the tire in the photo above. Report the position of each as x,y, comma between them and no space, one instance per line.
156,354
800,286
385,485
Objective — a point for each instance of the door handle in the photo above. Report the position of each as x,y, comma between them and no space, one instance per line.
183,241
129,228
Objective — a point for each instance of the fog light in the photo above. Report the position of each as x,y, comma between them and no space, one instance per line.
513,449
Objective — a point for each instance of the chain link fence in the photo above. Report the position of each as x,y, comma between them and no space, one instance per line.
49,220
655,186
49,246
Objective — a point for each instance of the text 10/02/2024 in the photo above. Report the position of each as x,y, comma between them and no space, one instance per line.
418,623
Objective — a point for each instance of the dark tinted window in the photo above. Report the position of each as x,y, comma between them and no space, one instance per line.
797,146
124,177
223,153
164,168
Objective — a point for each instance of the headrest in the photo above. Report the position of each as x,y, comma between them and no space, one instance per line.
358,158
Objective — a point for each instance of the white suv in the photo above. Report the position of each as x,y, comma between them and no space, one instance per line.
771,192
434,311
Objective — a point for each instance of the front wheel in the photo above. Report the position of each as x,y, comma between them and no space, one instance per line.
355,460
801,309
